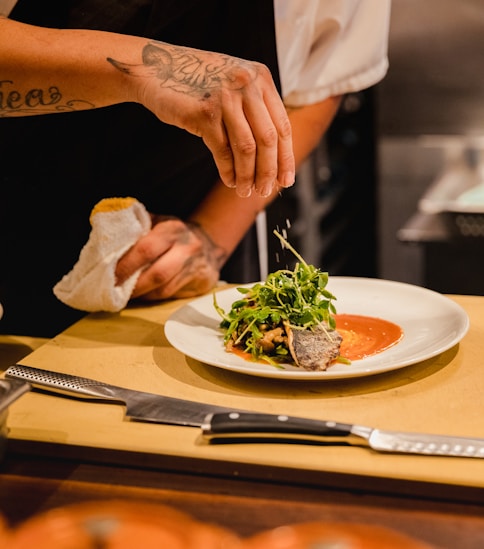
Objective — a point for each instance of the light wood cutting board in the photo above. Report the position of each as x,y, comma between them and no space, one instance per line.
441,395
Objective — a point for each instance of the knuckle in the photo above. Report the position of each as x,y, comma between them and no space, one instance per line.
242,77
146,249
159,279
247,147
263,70
244,74
270,137
267,175
224,153
169,226
260,70
196,250
176,224
285,128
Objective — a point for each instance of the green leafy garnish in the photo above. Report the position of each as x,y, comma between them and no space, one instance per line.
298,298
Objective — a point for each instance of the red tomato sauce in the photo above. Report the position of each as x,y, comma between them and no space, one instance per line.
364,336
245,355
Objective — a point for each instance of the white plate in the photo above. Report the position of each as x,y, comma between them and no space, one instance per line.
431,323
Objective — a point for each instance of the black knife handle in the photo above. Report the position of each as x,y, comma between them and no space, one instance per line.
237,425
62,383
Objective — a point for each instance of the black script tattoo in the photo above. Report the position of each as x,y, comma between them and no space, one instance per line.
188,70
35,101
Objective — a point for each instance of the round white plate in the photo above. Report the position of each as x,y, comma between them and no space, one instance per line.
431,323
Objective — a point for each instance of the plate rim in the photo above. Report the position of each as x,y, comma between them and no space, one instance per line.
268,371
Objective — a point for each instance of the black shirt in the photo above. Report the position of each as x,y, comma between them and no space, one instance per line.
54,168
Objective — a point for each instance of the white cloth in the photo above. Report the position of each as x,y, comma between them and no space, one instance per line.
117,223
330,47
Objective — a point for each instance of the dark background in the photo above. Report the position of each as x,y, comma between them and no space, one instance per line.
362,186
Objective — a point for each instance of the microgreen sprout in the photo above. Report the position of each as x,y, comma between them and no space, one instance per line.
296,297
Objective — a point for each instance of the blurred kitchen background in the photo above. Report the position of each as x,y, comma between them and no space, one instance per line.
394,190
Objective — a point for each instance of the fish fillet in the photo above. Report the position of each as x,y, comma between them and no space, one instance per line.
313,349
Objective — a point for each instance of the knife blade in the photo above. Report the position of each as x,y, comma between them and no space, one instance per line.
237,426
140,406
10,391
224,424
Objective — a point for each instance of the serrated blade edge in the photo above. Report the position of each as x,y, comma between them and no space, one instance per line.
426,444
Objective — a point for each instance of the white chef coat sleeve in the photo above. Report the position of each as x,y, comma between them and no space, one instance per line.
330,47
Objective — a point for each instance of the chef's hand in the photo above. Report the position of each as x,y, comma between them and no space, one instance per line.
231,103
178,260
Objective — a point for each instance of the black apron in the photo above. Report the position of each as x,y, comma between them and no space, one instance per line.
54,168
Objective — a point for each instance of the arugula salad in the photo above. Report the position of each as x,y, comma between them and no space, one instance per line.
262,322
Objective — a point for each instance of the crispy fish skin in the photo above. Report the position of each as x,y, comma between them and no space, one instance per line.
313,349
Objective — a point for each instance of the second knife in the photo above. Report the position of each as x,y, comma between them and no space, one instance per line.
140,406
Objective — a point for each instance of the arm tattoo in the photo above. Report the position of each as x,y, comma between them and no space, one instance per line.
215,254
187,70
35,101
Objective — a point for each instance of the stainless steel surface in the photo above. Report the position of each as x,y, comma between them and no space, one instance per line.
435,81
10,391
235,427
434,86
421,443
140,406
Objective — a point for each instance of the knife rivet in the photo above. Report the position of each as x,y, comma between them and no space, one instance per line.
234,415
282,418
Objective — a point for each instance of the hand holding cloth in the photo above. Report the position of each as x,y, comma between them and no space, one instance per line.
117,224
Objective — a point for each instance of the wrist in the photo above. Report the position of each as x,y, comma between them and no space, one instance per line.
217,254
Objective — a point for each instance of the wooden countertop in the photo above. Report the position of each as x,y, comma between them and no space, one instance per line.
440,395
71,449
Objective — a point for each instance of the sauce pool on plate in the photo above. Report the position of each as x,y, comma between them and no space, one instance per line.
364,336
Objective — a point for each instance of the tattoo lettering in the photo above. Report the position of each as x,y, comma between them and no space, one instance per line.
35,101
187,70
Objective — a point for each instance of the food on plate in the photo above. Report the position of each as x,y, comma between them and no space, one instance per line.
365,336
313,348
288,318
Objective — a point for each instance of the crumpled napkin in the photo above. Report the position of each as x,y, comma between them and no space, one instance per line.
117,224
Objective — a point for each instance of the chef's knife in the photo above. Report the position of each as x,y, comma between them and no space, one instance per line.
140,406
220,424
237,426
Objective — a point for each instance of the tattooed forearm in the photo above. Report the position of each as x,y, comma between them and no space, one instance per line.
14,102
187,70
